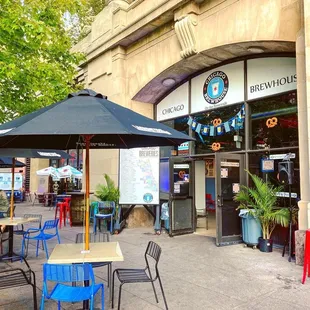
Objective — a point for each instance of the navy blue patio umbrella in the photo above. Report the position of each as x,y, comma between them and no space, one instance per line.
7,162
87,119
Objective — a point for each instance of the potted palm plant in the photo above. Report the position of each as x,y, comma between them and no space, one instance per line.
109,192
261,202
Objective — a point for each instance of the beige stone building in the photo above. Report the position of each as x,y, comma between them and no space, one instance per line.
227,61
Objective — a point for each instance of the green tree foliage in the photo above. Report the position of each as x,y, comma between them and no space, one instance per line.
80,22
36,66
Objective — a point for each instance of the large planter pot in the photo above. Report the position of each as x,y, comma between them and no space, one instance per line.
265,245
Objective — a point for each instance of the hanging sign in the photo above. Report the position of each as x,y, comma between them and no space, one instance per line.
219,87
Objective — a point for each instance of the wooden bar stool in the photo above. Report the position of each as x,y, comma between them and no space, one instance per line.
307,257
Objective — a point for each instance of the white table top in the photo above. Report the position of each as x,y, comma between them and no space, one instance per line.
73,253
15,221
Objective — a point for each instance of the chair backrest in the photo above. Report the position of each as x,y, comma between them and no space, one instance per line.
106,205
37,218
153,251
50,224
93,237
68,273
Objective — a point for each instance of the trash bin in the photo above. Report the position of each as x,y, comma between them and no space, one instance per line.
251,228
165,215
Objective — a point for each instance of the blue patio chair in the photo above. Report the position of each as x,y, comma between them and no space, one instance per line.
75,273
42,235
101,206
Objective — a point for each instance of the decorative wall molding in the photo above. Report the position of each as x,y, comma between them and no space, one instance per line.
184,28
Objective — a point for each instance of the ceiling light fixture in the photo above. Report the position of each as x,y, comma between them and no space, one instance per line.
168,82
255,49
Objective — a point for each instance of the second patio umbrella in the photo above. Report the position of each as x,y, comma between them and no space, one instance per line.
89,120
27,153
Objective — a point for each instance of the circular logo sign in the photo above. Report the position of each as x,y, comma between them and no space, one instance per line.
148,197
215,87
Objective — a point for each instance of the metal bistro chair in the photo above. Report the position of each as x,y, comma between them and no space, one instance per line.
16,277
97,216
21,230
153,251
93,238
66,293
37,198
42,235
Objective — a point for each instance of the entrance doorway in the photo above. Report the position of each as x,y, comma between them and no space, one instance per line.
205,197
217,180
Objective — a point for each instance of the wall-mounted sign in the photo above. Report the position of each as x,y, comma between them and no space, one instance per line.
230,164
219,87
282,156
269,76
174,105
286,194
183,149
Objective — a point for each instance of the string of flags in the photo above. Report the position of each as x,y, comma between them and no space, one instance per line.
218,128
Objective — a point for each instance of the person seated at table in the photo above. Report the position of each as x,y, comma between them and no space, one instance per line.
4,204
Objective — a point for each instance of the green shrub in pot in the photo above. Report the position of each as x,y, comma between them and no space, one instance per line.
261,201
108,192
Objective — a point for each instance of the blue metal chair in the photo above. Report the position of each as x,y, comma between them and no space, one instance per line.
42,235
93,238
100,206
66,293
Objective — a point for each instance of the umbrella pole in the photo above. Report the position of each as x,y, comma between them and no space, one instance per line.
12,190
87,142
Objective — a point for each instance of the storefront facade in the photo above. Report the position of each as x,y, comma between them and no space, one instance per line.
240,114
159,58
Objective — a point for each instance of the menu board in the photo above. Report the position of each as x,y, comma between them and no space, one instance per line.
139,176
6,181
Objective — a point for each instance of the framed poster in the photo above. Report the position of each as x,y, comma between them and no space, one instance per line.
139,176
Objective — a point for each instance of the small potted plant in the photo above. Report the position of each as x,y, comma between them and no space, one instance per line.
261,202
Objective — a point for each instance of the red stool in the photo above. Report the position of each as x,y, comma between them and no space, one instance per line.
307,257
61,208
67,213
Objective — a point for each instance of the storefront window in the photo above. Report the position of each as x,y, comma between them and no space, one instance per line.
226,140
179,124
274,122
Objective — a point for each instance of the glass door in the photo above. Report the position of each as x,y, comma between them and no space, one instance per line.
230,175
181,211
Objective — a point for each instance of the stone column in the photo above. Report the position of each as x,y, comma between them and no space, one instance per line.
304,134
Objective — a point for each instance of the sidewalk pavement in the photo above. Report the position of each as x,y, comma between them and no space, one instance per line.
195,274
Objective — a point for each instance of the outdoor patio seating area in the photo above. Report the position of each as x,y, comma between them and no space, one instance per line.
195,273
